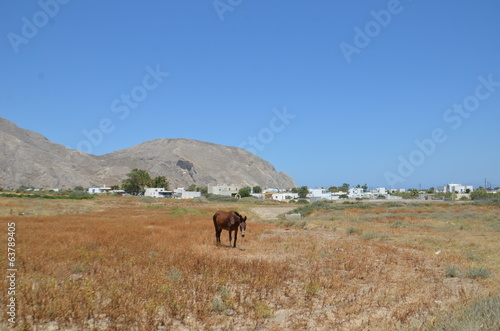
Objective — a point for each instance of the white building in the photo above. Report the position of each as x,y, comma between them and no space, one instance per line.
284,196
457,188
357,192
229,190
157,192
104,189
321,194
181,193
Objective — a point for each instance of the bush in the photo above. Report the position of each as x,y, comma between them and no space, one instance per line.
451,272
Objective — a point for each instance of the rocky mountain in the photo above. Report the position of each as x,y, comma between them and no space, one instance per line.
28,158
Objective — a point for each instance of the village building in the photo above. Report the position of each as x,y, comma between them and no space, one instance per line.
227,190
157,192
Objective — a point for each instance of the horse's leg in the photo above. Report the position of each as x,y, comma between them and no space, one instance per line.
235,237
230,239
217,235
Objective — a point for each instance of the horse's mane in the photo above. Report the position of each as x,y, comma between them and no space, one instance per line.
237,214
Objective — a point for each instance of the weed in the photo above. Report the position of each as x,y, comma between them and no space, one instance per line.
353,230
263,310
475,273
473,257
451,272
312,288
398,224
184,211
175,275
483,314
218,306
148,199
78,268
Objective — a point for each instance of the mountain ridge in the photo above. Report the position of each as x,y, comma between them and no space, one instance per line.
29,158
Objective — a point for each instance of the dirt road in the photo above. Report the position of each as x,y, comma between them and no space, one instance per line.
271,212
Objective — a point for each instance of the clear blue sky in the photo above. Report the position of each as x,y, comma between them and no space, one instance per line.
327,91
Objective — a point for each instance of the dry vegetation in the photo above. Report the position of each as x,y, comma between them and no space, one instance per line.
126,264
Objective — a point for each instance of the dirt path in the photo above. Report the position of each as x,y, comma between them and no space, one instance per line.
271,212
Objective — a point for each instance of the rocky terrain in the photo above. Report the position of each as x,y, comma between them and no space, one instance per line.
28,158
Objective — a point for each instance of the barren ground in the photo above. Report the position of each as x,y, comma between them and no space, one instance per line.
115,263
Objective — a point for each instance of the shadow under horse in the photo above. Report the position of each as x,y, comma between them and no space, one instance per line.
230,221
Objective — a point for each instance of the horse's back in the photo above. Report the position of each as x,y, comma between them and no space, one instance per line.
223,219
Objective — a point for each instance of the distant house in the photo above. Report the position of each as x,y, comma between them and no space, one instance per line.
181,193
284,196
157,192
98,190
228,190
456,188
321,194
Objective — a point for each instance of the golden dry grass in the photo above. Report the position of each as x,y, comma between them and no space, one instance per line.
139,266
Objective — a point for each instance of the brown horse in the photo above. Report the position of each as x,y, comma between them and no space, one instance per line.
229,220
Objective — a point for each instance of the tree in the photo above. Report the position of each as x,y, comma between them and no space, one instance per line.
344,187
203,190
303,191
160,182
245,192
79,188
257,189
333,189
137,181
192,188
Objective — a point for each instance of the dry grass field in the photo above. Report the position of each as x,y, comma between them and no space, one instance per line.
115,263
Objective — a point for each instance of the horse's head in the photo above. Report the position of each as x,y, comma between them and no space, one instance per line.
243,225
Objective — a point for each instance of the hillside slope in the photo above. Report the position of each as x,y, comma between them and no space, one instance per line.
28,158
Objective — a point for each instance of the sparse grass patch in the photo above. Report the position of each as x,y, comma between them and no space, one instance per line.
374,236
184,211
263,310
483,314
148,199
398,224
472,256
475,273
451,272
353,230
312,288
